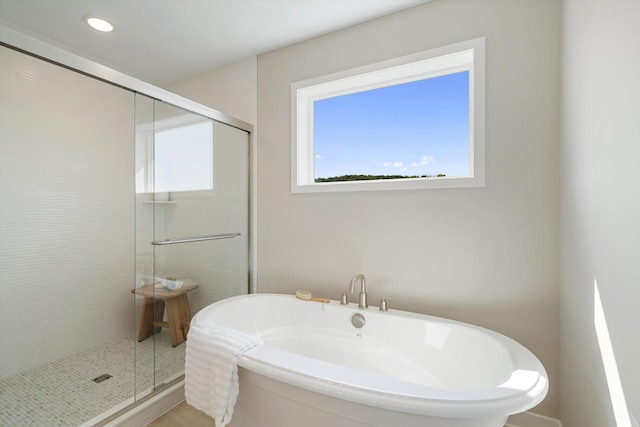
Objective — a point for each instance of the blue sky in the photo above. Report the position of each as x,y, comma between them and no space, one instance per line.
414,128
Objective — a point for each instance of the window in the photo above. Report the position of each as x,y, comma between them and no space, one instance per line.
184,158
175,155
410,123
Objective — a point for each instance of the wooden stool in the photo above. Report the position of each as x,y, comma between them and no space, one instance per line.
155,302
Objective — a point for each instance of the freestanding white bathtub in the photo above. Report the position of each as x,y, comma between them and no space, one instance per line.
400,369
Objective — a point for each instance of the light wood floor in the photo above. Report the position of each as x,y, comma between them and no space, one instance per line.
183,415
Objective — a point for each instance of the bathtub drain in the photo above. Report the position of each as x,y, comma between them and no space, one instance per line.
101,378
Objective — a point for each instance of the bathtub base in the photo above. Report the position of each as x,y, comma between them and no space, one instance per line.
267,402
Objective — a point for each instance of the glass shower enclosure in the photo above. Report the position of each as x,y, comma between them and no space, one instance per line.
192,218
121,215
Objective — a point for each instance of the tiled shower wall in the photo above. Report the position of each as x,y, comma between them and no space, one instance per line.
219,267
66,212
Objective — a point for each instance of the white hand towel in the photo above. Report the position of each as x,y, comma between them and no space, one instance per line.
211,368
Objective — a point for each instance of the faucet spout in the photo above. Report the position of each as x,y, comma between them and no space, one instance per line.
363,290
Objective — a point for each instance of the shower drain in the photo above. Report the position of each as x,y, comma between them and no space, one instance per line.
101,378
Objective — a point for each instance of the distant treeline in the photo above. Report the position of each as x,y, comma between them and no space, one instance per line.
373,177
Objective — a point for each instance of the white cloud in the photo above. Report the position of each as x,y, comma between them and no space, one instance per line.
318,156
393,164
426,160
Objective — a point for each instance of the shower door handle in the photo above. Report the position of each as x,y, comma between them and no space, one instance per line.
176,240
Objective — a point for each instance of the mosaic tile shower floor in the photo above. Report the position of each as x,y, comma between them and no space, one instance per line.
62,393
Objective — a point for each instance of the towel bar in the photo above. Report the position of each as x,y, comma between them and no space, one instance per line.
176,240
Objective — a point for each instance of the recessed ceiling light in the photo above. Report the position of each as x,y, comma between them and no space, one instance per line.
98,23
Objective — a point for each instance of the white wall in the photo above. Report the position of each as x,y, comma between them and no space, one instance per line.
600,212
66,212
230,89
487,256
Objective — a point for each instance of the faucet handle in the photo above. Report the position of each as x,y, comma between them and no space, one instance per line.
383,303
343,299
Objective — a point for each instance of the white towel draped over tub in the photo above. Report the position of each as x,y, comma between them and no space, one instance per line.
211,368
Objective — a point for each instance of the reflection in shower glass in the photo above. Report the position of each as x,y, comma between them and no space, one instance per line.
183,158
174,153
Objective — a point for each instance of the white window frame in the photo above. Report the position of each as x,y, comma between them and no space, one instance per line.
465,56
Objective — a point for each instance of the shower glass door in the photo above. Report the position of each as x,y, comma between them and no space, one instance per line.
192,216
79,216
66,244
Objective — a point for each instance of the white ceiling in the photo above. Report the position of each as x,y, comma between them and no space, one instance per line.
162,41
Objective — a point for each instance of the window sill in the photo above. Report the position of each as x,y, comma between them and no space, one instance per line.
389,185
